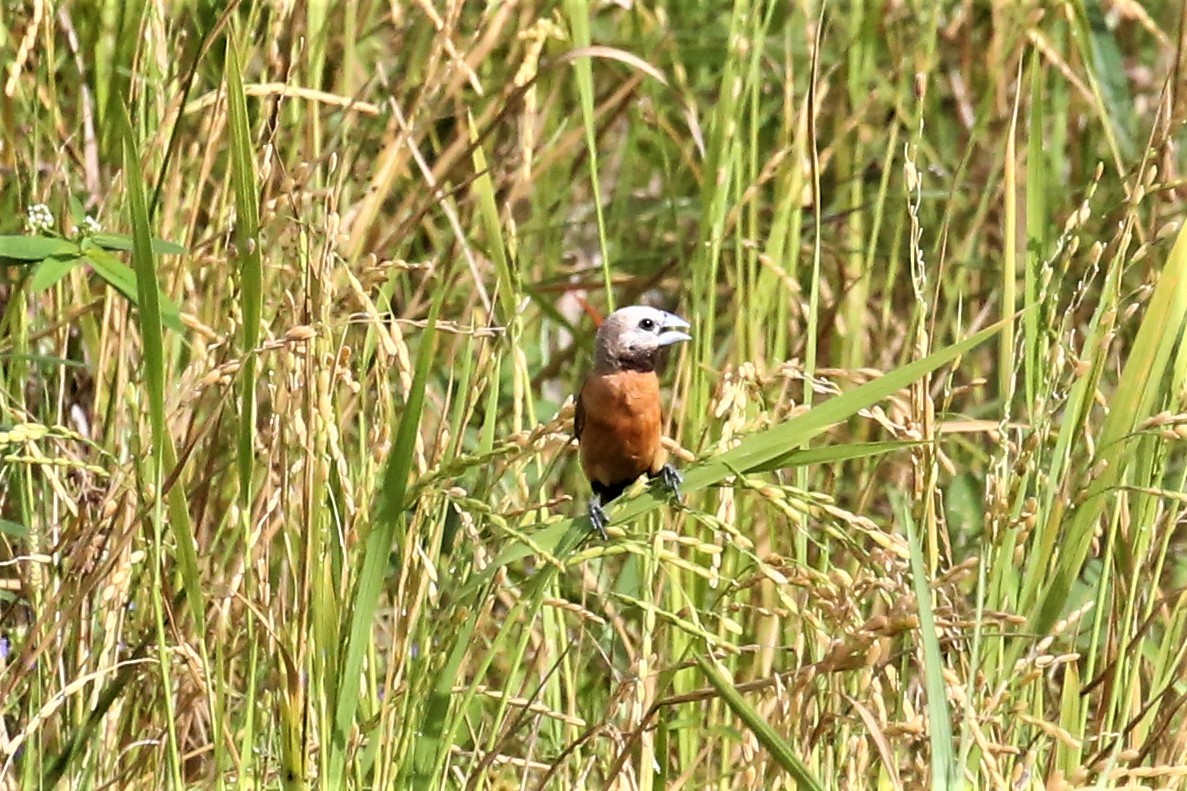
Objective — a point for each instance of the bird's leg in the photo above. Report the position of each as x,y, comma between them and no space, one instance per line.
597,515
671,479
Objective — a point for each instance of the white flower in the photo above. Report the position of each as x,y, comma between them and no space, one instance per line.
38,217
90,227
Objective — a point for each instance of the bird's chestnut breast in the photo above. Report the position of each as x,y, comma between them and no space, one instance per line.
620,439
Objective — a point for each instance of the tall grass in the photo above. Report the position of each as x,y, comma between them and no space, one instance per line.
287,486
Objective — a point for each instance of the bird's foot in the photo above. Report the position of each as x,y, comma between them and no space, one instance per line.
597,515
670,478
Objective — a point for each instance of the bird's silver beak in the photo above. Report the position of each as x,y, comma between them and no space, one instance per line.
669,330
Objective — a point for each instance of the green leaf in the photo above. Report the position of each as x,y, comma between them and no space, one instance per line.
1036,225
763,447
50,271
577,12
122,241
1108,69
244,186
123,279
152,342
118,275
432,745
143,283
36,248
14,529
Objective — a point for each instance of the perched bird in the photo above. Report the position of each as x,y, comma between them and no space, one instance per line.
619,421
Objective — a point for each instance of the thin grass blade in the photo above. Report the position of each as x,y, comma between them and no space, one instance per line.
766,735
943,762
389,516
247,229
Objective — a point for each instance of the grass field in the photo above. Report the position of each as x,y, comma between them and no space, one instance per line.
294,297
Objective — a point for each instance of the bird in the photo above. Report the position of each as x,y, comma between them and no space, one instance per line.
618,420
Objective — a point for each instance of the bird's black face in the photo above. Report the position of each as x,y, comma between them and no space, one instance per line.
631,338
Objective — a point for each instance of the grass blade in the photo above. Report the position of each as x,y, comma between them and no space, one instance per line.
766,735
944,769
1135,399
153,350
389,515
247,230
1036,227
123,279
577,12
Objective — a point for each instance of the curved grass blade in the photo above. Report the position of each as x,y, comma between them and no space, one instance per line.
119,241
577,13
779,749
245,187
1107,70
834,453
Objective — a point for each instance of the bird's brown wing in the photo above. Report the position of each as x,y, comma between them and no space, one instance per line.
578,418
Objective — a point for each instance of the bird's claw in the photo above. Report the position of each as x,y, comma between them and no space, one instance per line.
670,478
597,515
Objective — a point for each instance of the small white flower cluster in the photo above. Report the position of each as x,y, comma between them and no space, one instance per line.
38,218
90,227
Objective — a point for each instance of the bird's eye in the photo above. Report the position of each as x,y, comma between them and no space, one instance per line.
647,324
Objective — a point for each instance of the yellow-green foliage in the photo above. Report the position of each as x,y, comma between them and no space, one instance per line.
293,297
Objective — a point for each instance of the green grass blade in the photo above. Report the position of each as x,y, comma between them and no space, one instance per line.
761,447
943,764
244,185
577,12
766,735
1036,227
247,229
389,515
119,241
50,271
1005,366
1107,69
430,749
1135,399
488,210
153,351
833,453
122,278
